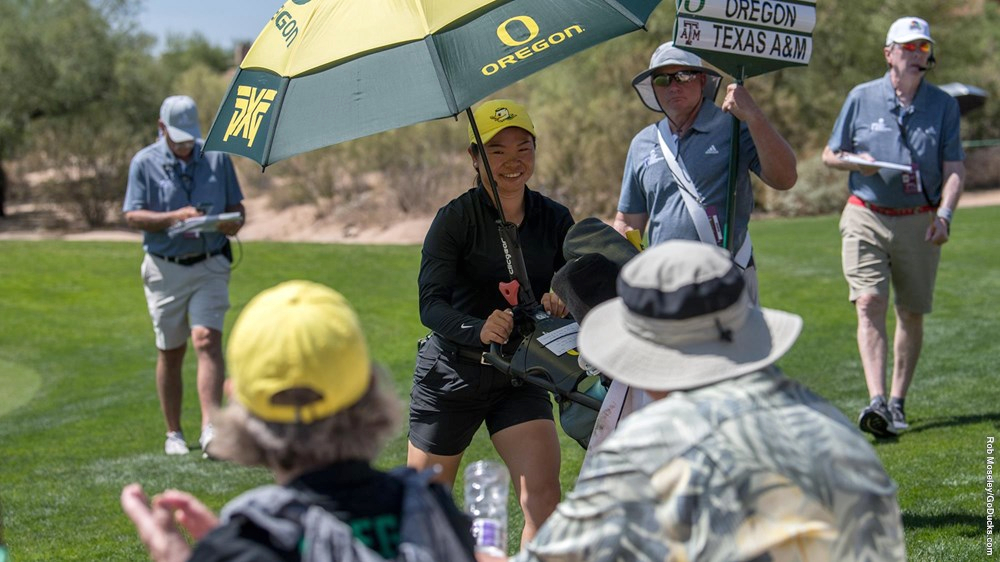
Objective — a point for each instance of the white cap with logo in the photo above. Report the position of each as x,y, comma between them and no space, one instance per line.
180,115
905,30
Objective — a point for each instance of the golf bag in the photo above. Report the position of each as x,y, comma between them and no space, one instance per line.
578,391
546,354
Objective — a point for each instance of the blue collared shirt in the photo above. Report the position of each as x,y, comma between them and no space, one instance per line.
649,187
159,181
869,122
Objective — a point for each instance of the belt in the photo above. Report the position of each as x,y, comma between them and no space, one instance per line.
471,354
890,211
190,259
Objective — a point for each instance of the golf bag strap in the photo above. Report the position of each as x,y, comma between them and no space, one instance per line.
693,200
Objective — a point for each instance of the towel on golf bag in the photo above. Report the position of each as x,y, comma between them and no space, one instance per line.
593,236
595,253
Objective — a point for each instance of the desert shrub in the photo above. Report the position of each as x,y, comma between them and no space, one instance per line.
819,190
982,168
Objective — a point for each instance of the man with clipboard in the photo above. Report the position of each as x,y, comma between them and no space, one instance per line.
174,188
899,137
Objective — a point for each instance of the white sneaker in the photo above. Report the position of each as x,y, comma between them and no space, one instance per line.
175,444
207,434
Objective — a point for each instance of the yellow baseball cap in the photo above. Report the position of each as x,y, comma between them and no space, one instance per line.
494,116
298,335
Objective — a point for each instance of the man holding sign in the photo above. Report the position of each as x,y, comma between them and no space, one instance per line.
676,170
899,138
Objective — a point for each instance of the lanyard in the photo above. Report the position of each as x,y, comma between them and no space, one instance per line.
695,203
903,112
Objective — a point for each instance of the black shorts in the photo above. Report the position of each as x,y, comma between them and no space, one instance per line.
453,395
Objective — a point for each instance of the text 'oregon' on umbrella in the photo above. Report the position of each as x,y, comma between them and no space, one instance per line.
327,71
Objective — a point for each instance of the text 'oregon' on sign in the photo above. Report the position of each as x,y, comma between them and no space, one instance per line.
747,37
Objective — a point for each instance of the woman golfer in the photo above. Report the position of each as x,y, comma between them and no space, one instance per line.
461,266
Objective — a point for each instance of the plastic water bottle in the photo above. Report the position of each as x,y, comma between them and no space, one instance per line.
486,484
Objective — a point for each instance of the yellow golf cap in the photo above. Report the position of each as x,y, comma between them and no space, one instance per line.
301,336
494,116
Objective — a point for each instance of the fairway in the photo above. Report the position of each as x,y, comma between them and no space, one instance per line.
79,417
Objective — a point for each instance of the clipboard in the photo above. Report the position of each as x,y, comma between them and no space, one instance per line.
205,223
877,163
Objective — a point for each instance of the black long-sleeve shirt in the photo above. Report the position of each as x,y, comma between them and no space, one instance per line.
462,262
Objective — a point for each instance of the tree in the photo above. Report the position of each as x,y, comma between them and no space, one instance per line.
184,52
60,61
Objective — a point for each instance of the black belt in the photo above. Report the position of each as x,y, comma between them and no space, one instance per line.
466,352
187,260
471,354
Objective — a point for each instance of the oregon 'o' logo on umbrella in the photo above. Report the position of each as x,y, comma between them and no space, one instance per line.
518,31
529,25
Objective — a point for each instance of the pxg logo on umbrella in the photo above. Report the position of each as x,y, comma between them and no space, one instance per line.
252,105
341,78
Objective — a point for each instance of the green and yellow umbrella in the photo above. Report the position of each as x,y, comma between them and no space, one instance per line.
326,71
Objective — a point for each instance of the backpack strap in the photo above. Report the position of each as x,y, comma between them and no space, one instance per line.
426,532
268,508
694,202
297,523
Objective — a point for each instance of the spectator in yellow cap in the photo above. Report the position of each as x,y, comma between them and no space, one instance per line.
461,266
307,403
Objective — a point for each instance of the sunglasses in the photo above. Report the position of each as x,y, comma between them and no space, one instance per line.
681,77
923,47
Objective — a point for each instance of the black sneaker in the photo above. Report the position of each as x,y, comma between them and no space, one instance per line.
876,419
898,415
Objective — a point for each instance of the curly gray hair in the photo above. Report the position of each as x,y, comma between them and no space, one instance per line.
356,433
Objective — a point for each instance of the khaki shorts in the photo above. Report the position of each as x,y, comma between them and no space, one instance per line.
182,296
880,250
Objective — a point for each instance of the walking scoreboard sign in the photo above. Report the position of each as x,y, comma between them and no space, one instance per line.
745,38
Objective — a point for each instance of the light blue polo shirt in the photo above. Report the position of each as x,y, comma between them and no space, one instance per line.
868,122
159,181
648,185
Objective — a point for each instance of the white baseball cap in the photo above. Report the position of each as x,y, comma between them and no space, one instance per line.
908,29
180,115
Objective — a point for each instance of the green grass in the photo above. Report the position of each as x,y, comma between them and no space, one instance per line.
79,416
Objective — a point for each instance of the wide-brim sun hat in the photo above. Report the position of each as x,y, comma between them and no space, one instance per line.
297,354
669,55
494,116
683,320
